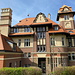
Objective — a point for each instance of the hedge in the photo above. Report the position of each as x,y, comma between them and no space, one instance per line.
69,70
21,71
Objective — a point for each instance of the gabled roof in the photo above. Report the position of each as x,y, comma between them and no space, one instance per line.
4,46
63,7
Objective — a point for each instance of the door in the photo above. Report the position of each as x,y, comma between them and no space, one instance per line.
43,66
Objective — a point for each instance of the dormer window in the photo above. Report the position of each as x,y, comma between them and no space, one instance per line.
66,17
27,30
12,45
70,31
56,27
15,30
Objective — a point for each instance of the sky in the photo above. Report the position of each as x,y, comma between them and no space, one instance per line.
21,8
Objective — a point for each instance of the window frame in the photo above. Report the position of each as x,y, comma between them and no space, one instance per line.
71,56
26,42
56,28
66,17
16,30
63,41
69,42
41,48
19,42
27,29
52,41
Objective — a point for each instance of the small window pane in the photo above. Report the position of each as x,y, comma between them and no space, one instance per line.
56,28
29,54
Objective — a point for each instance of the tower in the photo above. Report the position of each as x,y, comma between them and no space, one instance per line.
5,21
66,17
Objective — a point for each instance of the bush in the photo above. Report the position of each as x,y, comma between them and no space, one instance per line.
70,70
21,71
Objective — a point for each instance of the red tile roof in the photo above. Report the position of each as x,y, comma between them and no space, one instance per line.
60,30
29,21
4,44
73,32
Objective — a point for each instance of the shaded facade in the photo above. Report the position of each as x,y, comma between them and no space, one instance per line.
43,42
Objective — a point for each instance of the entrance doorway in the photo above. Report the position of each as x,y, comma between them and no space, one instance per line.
42,64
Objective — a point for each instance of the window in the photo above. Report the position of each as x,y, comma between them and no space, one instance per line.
62,41
29,54
15,64
41,48
70,31
10,64
27,42
19,42
70,42
41,35
12,45
20,64
52,41
56,28
41,29
15,30
38,29
27,30
66,17
71,56
27,65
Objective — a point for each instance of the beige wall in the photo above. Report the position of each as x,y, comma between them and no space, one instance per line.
5,14
22,40
5,22
61,18
58,39
4,30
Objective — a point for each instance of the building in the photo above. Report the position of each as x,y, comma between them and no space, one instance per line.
41,41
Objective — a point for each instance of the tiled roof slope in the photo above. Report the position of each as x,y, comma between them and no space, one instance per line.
26,33
5,46
60,30
30,21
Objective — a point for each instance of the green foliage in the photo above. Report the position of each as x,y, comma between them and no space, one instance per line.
70,70
21,71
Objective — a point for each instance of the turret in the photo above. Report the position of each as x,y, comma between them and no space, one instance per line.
66,17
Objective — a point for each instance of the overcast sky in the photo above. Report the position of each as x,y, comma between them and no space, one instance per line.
21,8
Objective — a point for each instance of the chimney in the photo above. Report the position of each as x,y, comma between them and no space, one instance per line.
5,21
49,16
6,16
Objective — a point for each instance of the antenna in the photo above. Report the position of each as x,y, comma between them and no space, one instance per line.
27,17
